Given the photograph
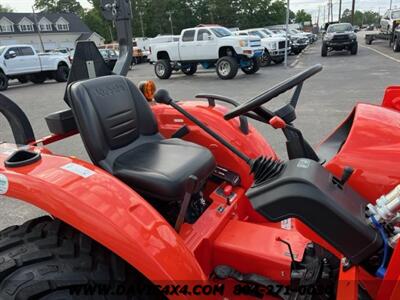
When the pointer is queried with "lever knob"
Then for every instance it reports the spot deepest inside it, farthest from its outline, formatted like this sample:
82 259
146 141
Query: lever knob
162 96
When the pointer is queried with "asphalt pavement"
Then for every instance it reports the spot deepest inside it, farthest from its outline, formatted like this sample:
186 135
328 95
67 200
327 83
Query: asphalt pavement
326 99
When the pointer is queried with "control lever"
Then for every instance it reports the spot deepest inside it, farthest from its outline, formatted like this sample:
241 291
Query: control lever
162 96
190 188
347 172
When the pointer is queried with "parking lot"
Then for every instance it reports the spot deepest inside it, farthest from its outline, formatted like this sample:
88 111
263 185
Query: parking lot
326 98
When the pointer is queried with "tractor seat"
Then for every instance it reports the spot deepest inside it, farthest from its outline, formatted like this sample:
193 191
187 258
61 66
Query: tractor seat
121 136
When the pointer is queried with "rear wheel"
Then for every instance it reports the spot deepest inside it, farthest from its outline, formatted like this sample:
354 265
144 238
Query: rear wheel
48 259
62 73
252 68
324 50
163 69
265 59
38 78
22 79
189 69
396 45
3 81
354 49
227 67
279 60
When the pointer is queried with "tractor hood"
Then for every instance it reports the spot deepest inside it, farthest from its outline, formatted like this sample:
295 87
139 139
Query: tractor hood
369 142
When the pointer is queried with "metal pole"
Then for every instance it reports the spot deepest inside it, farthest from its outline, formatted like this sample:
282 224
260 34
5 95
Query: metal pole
37 27
340 10
352 11
390 7
170 20
141 21
287 33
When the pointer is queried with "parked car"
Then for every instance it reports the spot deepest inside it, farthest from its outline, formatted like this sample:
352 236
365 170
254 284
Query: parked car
210 46
388 19
22 62
339 37
274 45
297 42
309 35
110 57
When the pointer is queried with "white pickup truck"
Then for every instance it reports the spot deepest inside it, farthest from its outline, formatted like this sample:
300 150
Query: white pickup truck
274 45
22 62
209 46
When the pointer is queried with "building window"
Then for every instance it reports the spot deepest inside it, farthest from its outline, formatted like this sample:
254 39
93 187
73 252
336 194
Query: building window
26 27
45 27
6 28
62 27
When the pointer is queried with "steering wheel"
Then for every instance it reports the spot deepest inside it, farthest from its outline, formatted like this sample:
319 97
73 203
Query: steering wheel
255 103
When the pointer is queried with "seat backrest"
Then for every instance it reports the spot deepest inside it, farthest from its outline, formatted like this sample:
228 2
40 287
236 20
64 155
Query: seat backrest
112 115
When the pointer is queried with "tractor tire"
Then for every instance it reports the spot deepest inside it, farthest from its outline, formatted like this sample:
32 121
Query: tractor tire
265 60
354 49
278 61
190 70
163 69
38 78
61 75
23 79
396 45
3 81
253 68
324 50
227 67
47 259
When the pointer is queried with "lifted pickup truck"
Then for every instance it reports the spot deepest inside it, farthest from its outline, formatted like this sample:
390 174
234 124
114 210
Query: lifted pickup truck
339 37
209 46
22 62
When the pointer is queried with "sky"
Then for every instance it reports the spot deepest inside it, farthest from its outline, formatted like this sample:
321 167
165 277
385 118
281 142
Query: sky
311 6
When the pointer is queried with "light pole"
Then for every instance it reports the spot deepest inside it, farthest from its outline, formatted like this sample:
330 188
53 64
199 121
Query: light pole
352 11
287 33
340 10
37 27
141 21
170 20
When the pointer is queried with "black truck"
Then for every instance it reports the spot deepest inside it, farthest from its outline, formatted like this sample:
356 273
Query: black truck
339 36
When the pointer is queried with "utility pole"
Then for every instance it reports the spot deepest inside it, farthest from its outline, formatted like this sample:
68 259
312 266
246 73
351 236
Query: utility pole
390 7
319 8
170 20
38 29
340 10
287 33
141 21
324 16
352 11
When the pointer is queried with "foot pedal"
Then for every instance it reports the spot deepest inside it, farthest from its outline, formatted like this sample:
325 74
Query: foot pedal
225 272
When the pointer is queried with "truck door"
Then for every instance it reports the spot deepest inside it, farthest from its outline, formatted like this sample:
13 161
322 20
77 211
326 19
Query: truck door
206 44
187 45
29 60
13 64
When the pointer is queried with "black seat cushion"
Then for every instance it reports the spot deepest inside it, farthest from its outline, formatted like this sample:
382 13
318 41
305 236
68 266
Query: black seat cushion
160 169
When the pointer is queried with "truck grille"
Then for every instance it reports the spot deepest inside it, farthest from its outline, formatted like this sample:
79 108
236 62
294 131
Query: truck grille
255 43
281 45
340 38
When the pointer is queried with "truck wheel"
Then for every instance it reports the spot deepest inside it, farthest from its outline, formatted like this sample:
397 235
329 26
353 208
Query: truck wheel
324 50
396 46
252 68
163 69
279 60
62 74
354 49
227 67
265 59
23 79
190 69
3 81
48 259
38 78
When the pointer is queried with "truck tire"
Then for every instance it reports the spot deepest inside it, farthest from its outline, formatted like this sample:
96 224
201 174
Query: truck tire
354 49
38 78
279 60
253 68
61 75
23 79
324 50
190 70
227 67
265 60
396 45
48 259
163 69
3 81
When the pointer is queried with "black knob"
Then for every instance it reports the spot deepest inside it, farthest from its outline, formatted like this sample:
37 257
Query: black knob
162 96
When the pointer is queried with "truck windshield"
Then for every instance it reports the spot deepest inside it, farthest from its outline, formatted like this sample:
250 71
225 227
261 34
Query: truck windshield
2 50
221 31
396 14
268 32
340 28
258 33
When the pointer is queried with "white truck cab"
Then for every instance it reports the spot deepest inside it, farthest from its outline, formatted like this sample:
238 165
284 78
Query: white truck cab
388 19
209 46
274 45
22 62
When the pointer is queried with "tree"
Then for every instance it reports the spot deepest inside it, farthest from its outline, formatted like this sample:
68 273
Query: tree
5 9
60 6
302 16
